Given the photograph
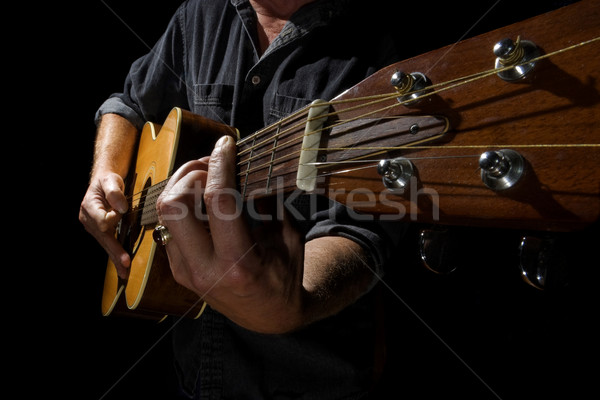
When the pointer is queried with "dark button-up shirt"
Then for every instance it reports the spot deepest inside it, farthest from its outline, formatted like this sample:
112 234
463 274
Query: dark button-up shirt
208 61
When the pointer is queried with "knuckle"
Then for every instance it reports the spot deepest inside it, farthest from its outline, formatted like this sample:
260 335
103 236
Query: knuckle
172 207
188 277
192 165
106 226
83 217
241 281
181 279
113 192
199 284
222 201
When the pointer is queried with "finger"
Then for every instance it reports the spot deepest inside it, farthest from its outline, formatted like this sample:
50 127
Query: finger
95 213
118 256
178 210
171 203
231 236
179 268
113 187
193 165
106 238
96 217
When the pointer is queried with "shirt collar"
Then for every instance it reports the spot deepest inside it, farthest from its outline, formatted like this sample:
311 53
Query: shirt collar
306 19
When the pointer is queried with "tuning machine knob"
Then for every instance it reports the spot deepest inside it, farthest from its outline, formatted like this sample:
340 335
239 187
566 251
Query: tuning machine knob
410 87
438 250
543 262
519 54
501 169
396 173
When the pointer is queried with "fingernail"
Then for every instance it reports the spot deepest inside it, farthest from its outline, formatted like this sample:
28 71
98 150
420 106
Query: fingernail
222 141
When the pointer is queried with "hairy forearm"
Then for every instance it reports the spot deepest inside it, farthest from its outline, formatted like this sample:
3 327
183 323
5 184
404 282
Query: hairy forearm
115 143
336 273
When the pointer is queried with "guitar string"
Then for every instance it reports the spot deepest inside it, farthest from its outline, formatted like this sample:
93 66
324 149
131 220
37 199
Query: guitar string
443 86
409 146
384 97
372 100
454 147
374 163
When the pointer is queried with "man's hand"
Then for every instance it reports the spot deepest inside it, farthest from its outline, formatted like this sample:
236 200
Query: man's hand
104 202
254 277
100 212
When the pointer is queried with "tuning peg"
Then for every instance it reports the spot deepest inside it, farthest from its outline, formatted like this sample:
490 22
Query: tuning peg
542 263
396 172
438 251
520 53
501 169
410 86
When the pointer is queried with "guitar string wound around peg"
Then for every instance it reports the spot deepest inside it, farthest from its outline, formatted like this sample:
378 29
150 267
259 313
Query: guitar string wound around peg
520 55
396 173
410 87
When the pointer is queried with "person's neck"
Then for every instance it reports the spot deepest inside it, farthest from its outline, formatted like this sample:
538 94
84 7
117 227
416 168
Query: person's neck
272 16
278 9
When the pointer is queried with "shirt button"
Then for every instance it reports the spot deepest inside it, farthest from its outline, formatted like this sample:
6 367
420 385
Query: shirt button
255 80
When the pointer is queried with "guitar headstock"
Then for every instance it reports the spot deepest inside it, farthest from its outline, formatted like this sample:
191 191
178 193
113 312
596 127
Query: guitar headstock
520 148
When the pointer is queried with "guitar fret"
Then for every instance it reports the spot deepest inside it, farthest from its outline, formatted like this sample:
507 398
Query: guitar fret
245 185
272 158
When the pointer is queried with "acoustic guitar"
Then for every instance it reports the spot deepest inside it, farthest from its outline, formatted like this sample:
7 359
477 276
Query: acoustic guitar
500 130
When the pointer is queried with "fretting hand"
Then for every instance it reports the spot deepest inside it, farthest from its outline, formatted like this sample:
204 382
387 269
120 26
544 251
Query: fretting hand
254 277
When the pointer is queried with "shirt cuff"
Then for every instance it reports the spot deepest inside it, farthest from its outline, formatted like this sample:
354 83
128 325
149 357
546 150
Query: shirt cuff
115 105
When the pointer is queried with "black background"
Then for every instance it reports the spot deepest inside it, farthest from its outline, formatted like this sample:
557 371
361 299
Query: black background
479 333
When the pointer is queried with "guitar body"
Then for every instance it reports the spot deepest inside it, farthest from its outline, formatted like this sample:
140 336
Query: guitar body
551 117
150 290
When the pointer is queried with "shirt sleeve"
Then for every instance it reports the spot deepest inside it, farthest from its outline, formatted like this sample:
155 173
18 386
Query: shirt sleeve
156 82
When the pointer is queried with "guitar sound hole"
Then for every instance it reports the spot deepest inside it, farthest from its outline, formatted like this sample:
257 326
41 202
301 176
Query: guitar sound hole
132 232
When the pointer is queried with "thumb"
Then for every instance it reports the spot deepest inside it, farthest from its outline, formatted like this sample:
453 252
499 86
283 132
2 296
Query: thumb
113 187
